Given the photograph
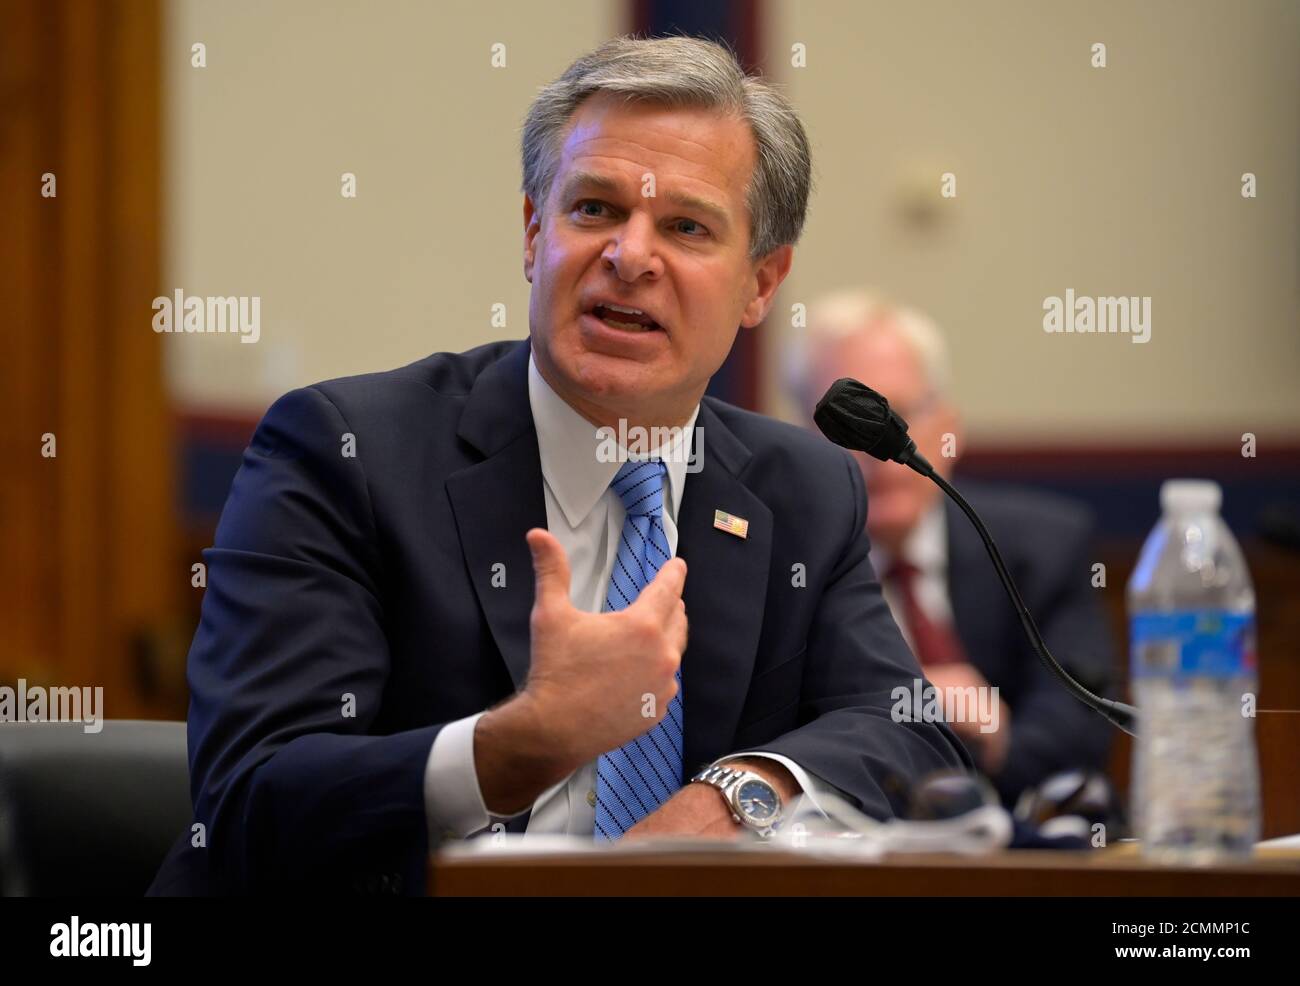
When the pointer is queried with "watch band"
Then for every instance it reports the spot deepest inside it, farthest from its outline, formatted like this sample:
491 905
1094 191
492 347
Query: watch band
728 781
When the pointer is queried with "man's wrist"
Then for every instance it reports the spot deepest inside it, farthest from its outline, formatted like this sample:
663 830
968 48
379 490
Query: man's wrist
737 782
516 756
774 773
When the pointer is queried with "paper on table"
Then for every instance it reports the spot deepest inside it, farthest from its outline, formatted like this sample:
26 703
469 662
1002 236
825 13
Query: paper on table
521 844
844 833
1281 842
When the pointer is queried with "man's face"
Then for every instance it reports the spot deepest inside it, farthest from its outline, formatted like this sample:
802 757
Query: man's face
897 496
681 256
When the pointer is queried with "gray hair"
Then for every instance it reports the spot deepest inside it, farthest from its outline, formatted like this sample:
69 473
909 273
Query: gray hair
854 311
683 71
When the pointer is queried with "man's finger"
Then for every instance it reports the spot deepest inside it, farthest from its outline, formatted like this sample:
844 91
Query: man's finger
664 592
550 567
679 628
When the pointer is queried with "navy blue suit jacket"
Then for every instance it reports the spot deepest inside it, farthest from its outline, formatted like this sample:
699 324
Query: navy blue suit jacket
370 576
1046 541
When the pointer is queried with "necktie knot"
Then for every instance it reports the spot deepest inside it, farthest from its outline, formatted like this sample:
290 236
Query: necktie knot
902 571
640 485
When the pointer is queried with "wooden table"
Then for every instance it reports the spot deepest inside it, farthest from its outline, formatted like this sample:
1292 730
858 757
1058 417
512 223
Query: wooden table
1112 872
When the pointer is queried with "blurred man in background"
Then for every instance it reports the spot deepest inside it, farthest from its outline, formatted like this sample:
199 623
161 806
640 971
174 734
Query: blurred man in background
937 576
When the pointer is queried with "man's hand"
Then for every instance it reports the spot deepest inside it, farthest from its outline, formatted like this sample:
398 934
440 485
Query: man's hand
602 679
699 809
990 748
595 681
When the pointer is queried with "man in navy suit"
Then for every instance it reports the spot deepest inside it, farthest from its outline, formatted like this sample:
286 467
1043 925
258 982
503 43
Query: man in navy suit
438 604
937 575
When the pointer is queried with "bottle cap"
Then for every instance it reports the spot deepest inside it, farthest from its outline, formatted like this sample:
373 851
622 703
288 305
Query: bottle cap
1181 496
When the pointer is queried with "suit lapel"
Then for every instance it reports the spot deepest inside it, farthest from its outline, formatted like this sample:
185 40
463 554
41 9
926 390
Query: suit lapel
496 502
726 586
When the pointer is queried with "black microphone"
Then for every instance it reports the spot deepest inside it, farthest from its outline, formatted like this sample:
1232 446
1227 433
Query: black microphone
854 416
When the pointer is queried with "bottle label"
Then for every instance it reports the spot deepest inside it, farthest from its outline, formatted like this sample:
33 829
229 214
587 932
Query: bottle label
1208 643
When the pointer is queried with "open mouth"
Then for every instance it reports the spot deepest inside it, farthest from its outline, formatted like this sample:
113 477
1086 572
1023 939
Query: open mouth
626 319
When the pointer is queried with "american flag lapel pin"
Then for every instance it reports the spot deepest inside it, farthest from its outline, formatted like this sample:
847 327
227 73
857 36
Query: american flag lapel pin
724 521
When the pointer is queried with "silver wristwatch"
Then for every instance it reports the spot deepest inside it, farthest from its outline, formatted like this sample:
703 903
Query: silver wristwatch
754 802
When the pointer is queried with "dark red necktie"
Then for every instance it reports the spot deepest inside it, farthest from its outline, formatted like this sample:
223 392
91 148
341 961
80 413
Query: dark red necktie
935 642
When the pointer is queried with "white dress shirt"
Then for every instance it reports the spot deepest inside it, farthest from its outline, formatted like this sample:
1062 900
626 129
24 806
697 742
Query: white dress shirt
926 549
586 517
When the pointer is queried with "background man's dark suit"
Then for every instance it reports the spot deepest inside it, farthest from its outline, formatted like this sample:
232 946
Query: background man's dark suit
371 576
1046 543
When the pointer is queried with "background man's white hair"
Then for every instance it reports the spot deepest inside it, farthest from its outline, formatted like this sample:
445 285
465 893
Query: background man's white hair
851 311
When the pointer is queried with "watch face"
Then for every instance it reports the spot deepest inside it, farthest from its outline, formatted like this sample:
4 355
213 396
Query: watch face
757 800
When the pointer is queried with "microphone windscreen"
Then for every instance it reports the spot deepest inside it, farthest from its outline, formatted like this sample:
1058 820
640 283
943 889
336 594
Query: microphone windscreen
854 416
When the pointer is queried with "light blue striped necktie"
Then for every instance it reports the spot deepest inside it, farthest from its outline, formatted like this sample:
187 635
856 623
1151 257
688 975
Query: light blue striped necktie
635 779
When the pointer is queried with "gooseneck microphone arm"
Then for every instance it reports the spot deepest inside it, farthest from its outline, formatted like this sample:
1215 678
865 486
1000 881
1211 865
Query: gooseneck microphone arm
1121 714
854 416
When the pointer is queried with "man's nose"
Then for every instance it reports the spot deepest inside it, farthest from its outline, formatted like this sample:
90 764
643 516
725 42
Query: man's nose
633 252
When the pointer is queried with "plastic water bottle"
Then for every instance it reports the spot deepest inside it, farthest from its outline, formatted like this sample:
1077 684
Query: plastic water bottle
1195 781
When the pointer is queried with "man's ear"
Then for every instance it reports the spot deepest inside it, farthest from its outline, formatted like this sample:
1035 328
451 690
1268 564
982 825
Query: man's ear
769 272
532 225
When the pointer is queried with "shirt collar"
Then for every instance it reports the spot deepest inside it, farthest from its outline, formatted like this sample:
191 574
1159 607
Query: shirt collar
567 444
926 547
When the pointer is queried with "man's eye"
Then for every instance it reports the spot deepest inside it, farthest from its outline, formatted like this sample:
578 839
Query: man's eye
693 229
590 204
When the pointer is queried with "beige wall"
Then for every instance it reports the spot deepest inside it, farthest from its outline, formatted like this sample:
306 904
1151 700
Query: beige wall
403 95
1122 180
